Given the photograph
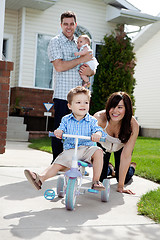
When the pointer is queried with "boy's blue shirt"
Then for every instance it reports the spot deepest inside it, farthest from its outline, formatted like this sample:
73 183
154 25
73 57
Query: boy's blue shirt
86 127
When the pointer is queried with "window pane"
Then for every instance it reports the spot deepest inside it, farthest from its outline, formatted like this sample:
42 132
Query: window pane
81 31
44 68
98 49
4 51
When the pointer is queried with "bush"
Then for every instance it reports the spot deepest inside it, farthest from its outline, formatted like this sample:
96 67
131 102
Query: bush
116 68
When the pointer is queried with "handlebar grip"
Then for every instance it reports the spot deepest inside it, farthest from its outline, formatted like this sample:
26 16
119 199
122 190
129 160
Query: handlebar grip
51 134
102 139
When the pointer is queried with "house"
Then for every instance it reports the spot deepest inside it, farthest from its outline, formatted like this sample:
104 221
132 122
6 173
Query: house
147 74
28 27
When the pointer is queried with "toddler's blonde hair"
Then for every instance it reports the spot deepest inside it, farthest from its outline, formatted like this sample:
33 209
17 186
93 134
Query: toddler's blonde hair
78 90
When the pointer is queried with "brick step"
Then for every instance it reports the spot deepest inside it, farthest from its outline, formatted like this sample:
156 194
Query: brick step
37 134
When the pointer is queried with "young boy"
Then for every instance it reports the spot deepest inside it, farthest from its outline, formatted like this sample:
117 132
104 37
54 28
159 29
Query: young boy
83 45
79 122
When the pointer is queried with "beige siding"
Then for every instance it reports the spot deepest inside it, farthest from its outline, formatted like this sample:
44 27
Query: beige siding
147 91
91 14
10 27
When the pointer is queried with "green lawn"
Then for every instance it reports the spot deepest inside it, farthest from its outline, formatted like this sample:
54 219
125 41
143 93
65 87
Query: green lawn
149 205
147 156
43 144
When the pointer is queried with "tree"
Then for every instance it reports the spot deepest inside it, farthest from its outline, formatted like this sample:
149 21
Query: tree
116 68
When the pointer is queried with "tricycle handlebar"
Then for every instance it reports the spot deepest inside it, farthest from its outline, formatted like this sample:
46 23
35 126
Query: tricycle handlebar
51 134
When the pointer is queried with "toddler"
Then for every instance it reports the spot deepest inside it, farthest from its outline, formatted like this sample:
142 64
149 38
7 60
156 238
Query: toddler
79 122
83 45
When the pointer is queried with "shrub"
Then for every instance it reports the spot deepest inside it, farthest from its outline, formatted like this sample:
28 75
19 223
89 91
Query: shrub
116 68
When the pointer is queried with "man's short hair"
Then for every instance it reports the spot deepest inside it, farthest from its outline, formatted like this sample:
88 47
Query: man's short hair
68 14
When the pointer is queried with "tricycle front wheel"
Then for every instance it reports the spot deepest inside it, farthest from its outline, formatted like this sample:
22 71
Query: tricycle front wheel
106 192
71 193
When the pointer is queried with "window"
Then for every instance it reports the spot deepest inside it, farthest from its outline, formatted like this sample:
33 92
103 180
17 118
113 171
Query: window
44 69
98 49
81 31
7 47
4 51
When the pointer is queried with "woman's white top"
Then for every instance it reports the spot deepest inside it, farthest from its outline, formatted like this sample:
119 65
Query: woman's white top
111 144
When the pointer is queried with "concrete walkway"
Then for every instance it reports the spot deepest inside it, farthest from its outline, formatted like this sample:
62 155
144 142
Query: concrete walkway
26 214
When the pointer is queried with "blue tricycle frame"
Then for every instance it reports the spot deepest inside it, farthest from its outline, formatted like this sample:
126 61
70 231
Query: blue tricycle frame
70 185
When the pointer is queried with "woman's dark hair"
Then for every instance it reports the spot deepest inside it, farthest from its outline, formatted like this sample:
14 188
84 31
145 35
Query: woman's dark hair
112 102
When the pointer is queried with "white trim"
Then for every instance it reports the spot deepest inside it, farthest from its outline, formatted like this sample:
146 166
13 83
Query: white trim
9 38
38 88
122 4
41 5
130 17
94 53
35 58
94 43
145 35
2 14
22 46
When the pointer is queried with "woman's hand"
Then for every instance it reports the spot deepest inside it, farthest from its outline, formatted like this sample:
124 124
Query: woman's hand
122 190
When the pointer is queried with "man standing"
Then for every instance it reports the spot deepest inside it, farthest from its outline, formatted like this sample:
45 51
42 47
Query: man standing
61 51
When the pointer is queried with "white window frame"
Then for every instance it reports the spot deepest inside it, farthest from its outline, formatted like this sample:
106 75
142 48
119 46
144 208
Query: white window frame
94 43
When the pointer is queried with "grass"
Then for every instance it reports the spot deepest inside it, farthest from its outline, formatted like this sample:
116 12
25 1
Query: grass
147 156
149 205
43 144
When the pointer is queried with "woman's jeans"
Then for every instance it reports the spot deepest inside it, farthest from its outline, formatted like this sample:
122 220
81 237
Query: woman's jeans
106 171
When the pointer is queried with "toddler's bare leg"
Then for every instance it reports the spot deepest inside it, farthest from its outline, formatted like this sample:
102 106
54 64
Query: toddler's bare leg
85 78
85 82
97 164
51 171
